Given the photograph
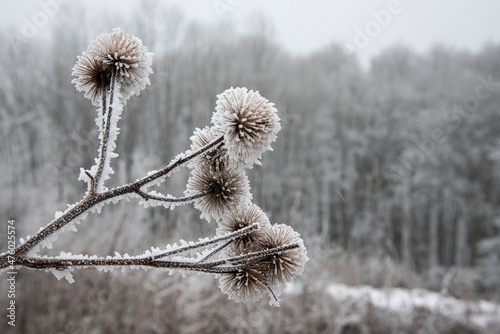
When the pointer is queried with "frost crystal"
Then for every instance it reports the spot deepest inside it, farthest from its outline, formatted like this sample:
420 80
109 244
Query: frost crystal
66 273
249 123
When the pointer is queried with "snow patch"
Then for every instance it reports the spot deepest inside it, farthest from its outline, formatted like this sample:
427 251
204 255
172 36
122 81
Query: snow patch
404 301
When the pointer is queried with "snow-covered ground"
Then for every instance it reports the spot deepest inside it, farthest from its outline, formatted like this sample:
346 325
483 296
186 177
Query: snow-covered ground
402 301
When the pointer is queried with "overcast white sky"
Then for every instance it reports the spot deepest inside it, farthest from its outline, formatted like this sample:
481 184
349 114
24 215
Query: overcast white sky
303 26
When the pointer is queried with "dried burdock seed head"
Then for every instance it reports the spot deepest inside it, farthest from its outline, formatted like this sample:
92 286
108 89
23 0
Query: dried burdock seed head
249 123
92 77
226 190
217 157
248 284
118 54
284 266
233 221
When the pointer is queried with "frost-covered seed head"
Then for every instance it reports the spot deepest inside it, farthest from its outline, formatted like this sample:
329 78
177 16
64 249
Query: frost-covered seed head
118 53
216 157
92 77
244 285
249 123
233 221
284 266
228 189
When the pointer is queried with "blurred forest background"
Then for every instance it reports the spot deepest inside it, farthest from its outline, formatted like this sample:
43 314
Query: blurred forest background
391 174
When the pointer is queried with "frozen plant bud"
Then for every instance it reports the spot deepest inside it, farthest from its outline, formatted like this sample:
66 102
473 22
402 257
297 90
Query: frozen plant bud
118 54
246 284
215 157
233 221
226 190
284 266
249 123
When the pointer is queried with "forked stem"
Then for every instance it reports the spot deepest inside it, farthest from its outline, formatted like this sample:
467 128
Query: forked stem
93 199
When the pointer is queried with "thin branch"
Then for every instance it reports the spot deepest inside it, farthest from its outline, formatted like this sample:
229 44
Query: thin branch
93 198
92 181
179 162
272 292
243 261
209 267
147 196
103 106
105 137
257 255
215 251
233 235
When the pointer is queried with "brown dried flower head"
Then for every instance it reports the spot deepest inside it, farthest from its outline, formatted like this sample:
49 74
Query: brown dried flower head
248 284
284 266
249 123
217 157
233 221
92 77
114 54
226 190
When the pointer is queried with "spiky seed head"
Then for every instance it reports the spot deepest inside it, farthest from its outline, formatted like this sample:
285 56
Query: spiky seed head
227 189
247 284
233 221
216 157
118 53
249 123
283 266
92 77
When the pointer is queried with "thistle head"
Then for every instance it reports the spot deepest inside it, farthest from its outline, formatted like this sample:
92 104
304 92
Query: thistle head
233 221
249 123
268 268
113 56
216 157
248 284
92 77
284 266
226 189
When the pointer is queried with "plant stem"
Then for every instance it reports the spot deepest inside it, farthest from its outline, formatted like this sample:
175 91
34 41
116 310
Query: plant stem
94 198
219 266
105 135
147 196
233 235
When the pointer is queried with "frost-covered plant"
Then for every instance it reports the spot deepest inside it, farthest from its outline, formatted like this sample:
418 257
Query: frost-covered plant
248 254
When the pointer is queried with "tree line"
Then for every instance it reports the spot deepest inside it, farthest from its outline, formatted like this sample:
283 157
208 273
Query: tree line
397 160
